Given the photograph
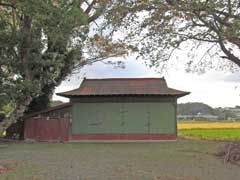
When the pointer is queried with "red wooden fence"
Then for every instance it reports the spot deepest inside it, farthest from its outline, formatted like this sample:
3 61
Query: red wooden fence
43 129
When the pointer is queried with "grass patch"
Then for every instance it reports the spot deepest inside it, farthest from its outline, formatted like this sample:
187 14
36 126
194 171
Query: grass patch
180 160
211 134
25 172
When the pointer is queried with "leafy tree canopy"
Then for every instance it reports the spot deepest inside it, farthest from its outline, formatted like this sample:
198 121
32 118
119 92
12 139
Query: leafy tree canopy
41 42
159 27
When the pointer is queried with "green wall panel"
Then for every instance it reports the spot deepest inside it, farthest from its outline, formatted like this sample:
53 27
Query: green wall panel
162 118
153 118
134 118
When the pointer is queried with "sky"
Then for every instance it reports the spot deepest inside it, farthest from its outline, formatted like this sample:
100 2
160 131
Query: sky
215 88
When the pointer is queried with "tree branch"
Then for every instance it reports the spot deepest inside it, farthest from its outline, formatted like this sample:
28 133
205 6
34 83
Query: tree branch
7 5
90 6
99 11
228 54
195 37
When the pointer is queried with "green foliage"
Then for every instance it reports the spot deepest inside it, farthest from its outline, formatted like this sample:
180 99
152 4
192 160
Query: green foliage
211 134
36 46
7 109
42 42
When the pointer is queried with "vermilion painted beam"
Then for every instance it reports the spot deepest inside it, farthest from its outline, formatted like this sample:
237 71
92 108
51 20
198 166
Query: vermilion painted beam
123 137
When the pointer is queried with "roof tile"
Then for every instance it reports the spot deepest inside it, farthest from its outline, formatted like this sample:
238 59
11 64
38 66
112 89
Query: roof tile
123 86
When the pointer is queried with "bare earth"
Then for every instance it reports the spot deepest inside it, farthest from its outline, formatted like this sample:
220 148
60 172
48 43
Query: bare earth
181 160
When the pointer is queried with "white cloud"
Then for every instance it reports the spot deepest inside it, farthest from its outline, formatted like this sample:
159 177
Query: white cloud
214 88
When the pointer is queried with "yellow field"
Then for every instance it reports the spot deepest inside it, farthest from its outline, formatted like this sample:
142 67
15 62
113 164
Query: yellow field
209 125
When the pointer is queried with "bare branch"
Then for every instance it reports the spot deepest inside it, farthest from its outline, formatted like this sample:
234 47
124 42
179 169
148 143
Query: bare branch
228 54
90 6
94 60
195 37
208 51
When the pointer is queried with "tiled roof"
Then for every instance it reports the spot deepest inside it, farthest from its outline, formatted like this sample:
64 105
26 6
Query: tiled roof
58 107
123 86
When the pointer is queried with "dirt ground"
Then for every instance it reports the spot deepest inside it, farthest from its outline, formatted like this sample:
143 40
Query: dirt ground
181 160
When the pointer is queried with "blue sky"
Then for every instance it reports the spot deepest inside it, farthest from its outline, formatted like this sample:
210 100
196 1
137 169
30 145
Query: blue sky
216 88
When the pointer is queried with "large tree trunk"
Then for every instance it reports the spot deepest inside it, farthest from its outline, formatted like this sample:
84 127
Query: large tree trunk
16 115
25 47
24 50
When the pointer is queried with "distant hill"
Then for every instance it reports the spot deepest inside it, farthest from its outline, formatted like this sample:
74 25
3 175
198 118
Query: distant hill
195 109
201 109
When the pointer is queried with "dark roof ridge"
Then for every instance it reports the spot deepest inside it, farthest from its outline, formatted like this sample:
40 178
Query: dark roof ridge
123 86
154 78
58 107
